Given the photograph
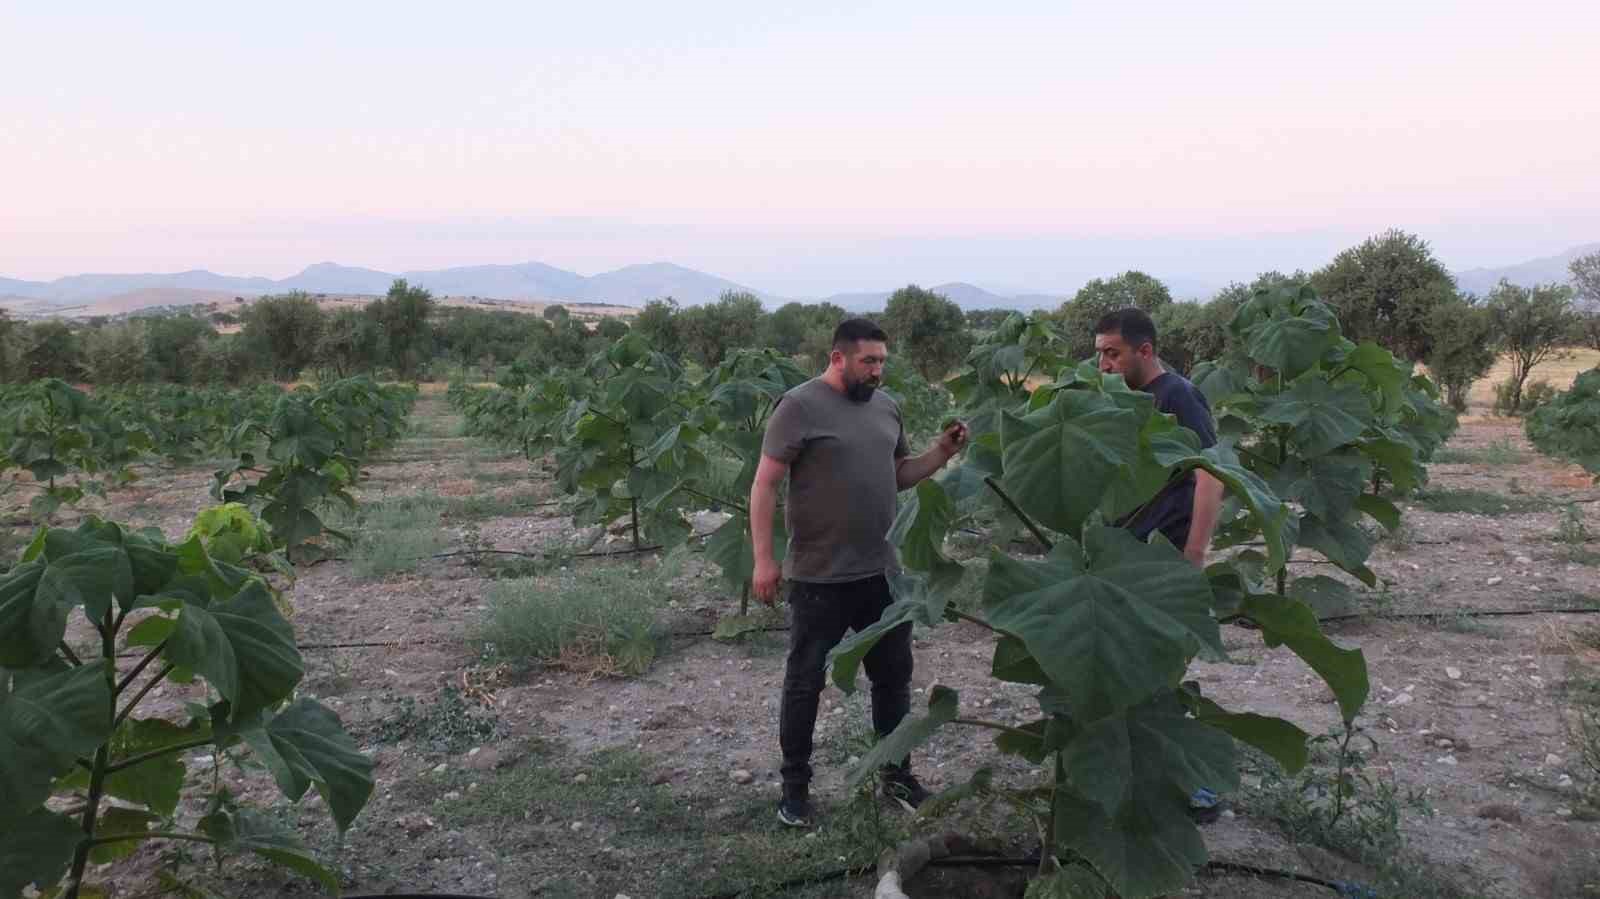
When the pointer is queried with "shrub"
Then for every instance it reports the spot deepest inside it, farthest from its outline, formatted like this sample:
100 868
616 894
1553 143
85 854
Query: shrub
1568 426
598 621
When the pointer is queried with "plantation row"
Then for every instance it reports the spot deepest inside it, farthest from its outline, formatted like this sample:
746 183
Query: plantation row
1316 434
70 738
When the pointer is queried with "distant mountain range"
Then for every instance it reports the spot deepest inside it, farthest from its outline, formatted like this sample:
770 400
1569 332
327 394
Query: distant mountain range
1526 274
967 296
629 286
633 285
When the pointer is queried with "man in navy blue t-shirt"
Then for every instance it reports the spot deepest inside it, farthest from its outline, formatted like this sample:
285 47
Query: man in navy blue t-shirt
1186 509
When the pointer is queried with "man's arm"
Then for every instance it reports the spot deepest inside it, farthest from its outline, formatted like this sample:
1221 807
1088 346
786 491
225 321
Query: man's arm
1203 520
911 470
763 502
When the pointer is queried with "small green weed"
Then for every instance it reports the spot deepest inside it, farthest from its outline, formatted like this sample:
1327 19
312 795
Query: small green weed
1479 502
708 842
1499 452
1462 623
396 536
449 724
1335 803
595 621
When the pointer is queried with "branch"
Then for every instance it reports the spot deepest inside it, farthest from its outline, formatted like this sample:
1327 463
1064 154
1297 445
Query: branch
151 835
143 757
1017 510
992 725
963 616
139 668
69 655
715 499
149 685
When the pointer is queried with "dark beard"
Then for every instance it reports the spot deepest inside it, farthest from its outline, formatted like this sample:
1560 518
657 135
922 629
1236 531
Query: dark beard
860 391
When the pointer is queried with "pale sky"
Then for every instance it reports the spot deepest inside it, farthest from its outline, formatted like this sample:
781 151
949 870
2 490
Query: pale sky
832 146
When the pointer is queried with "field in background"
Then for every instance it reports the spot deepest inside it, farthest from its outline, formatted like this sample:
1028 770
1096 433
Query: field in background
1559 372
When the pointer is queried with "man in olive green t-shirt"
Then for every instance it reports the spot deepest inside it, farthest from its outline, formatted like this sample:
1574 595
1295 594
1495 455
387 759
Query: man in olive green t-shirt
842 448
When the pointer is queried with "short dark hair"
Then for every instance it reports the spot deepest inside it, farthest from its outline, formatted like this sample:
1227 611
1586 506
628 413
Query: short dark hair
1132 323
852 330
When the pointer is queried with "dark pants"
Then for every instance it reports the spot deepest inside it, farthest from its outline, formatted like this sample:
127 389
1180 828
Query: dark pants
820 616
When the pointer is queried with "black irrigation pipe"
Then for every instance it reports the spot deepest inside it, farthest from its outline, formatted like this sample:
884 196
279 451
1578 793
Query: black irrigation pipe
1462 613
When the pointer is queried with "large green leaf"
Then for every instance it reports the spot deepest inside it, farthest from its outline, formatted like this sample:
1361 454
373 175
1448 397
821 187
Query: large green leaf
1112 622
253 831
920 527
31 624
1059 459
1280 739
155 782
1342 541
1269 514
1327 486
919 599
1383 373
35 848
304 745
915 730
1398 458
1288 622
117 821
1322 416
242 646
1286 329
47 721
1126 801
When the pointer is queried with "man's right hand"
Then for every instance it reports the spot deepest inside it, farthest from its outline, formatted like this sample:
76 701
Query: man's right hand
765 581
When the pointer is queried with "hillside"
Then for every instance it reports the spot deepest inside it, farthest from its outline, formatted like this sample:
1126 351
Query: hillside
1535 271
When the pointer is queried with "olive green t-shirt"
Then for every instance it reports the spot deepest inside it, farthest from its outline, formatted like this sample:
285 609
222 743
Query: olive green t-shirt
842 457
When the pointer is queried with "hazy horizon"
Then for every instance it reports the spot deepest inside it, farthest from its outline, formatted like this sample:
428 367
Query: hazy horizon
805 152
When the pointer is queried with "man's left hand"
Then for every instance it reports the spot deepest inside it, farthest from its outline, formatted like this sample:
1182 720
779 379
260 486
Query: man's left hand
953 439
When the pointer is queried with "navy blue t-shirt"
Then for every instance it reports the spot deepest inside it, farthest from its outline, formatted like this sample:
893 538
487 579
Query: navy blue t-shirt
1170 510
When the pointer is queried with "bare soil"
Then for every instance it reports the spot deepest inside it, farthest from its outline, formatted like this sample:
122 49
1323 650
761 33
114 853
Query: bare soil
541 782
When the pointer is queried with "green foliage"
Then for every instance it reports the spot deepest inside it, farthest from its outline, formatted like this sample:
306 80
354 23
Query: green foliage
928 329
402 316
1463 348
316 441
601 622
1078 315
68 728
1568 427
709 333
1498 452
285 332
1317 417
1532 323
1106 625
1386 289
51 429
448 724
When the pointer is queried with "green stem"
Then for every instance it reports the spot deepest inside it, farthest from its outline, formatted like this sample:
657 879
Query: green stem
1017 510
152 835
102 764
716 499
139 668
963 616
149 685
993 725
69 655
1283 456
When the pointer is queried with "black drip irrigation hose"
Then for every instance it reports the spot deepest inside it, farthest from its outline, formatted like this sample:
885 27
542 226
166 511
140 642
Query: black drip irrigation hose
1462 613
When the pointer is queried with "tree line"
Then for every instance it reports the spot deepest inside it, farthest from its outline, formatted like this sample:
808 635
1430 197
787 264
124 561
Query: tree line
1390 289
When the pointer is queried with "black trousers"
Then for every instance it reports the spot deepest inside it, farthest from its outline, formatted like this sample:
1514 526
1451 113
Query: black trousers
820 616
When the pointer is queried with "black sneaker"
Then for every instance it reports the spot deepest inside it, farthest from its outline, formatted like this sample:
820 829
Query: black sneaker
794 809
904 788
